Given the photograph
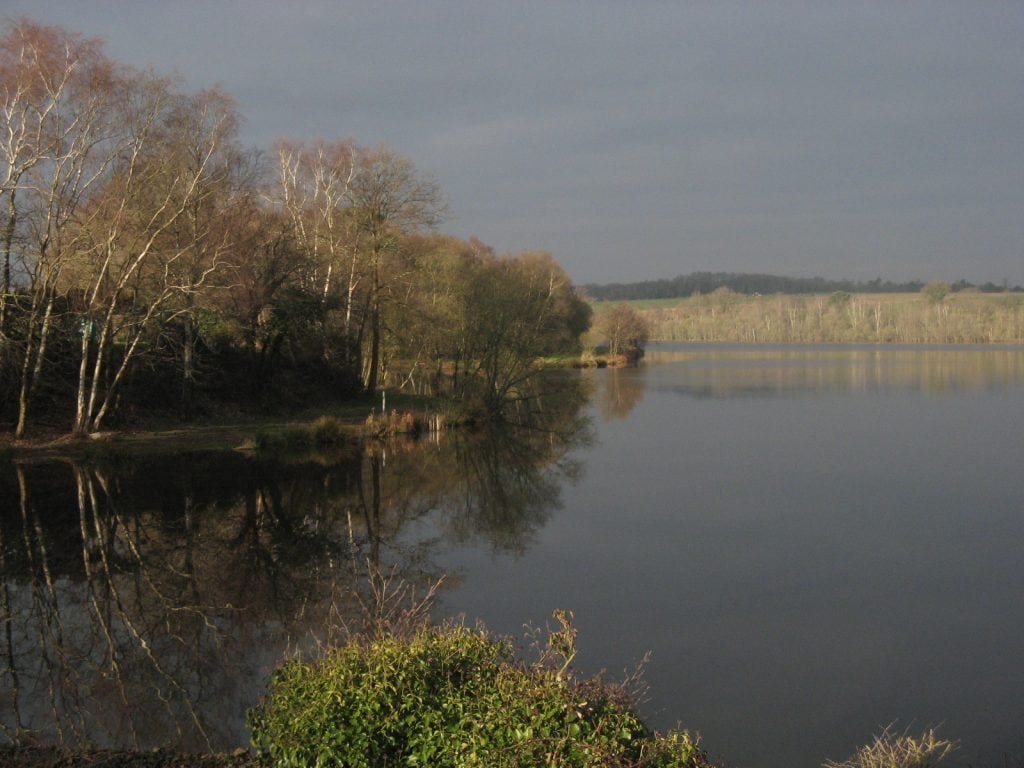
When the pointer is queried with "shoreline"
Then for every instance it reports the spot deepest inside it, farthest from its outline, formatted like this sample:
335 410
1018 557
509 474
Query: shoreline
58 757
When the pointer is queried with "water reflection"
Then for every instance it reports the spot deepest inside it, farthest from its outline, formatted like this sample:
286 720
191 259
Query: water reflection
619 392
139 598
723 371
145 600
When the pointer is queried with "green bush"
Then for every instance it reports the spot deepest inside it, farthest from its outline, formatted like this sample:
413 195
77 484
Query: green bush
453 696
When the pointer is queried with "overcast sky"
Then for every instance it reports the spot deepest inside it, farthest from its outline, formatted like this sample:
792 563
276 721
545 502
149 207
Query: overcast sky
637 140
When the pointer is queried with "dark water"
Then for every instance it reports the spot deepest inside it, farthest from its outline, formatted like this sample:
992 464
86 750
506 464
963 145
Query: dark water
811 543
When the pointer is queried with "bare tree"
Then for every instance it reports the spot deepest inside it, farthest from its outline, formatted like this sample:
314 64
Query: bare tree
128 213
625 330
56 145
200 242
388 198
315 182
129 263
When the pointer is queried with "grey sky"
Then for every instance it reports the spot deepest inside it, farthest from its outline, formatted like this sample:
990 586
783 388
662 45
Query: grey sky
637 140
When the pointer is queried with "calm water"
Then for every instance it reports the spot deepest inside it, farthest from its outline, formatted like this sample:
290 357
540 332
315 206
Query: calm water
810 543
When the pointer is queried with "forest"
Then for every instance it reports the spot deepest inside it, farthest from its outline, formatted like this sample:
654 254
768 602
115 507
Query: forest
934 315
151 263
750 283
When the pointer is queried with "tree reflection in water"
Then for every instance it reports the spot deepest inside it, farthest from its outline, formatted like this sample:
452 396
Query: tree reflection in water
145 600
620 391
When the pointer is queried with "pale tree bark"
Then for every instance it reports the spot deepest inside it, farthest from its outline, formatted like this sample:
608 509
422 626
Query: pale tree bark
315 182
145 198
52 140
36 66
73 172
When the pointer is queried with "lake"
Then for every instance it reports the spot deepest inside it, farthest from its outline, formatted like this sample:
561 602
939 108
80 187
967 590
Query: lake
809 543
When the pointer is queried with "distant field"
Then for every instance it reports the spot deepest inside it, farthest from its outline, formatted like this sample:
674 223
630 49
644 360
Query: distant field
639 303
913 318
890 298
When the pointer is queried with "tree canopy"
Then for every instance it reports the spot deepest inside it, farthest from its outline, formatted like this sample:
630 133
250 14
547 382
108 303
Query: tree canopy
149 261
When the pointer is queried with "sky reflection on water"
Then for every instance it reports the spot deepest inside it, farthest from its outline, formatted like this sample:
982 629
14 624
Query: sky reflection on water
810 542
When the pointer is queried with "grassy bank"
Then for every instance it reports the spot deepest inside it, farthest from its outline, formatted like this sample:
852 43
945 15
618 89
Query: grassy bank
906 318
328 425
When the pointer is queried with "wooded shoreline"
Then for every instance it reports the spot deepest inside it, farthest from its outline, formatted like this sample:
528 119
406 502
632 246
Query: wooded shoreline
905 318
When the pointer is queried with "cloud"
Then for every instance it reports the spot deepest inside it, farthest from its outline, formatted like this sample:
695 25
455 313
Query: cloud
857 139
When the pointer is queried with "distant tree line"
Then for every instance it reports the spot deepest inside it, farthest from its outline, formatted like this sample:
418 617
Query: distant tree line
933 316
749 284
149 261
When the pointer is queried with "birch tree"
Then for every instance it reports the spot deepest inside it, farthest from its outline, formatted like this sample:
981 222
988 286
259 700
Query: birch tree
56 145
130 265
315 185
202 240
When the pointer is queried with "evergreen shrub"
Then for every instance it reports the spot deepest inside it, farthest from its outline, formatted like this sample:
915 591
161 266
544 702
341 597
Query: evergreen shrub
454 696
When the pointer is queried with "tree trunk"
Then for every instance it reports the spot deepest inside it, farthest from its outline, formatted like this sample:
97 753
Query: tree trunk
29 380
372 378
188 366
98 371
374 372
78 429
5 281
